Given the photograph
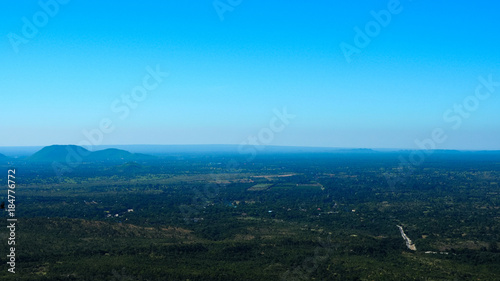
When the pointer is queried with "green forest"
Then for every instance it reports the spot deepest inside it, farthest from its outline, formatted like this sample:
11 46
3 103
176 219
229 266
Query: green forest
309 216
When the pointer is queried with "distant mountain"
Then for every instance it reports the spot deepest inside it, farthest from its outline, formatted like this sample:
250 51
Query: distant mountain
109 154
230 149
112 154
58 153
62 153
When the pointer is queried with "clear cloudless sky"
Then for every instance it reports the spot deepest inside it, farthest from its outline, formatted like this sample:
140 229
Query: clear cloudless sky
227 76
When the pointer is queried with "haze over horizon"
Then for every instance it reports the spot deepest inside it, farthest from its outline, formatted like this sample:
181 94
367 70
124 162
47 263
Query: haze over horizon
266 73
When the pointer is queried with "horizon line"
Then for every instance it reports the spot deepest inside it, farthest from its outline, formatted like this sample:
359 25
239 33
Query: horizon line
285 146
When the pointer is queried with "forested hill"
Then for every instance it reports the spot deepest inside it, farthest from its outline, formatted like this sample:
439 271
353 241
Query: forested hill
61 153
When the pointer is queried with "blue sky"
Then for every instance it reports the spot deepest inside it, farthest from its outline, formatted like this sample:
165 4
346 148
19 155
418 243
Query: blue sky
228 75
